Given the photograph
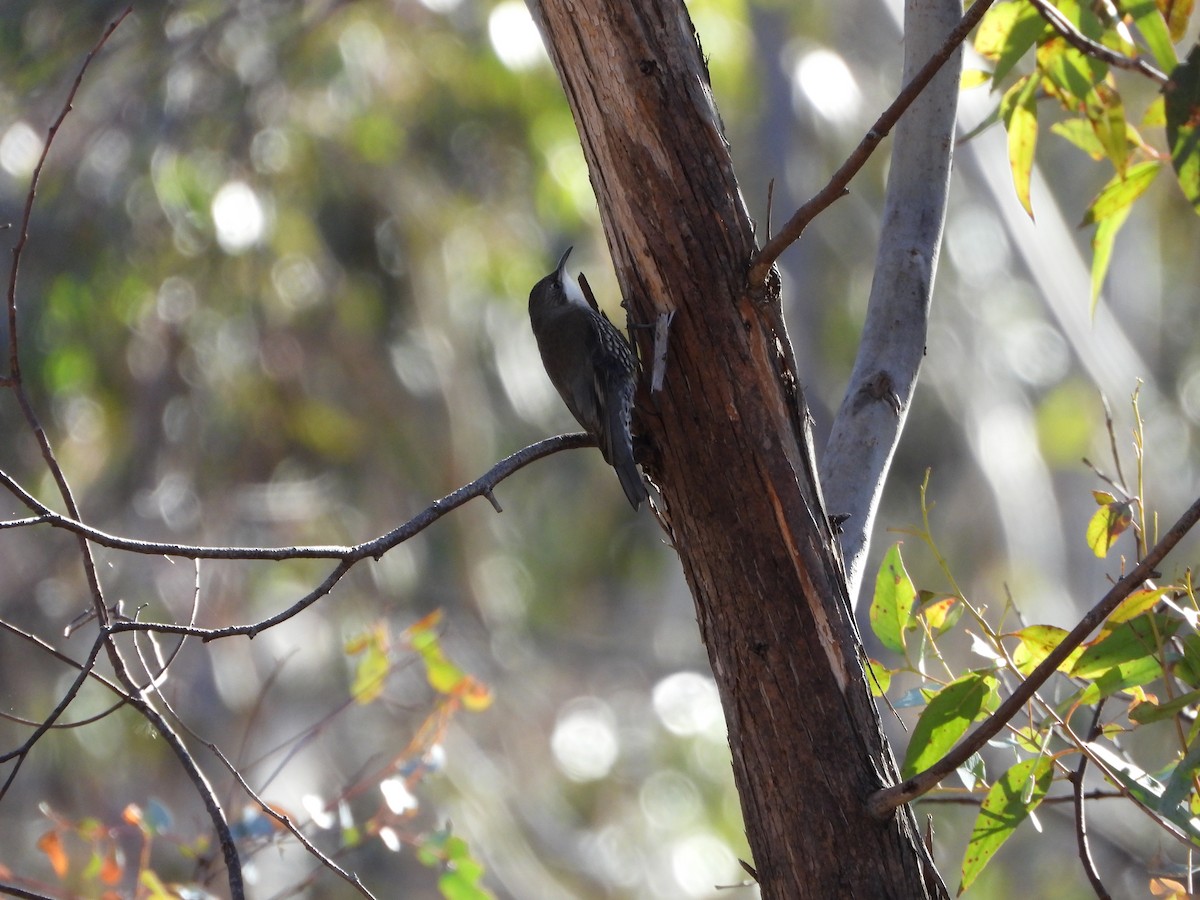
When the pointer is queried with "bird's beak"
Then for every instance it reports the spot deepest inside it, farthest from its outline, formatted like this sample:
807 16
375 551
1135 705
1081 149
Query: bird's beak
562 265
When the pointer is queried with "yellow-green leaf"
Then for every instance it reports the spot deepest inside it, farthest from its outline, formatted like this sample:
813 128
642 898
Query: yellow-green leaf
1019 109
1137 603
992 33
1179 12
1014 795
1102 248
973 78
1153 27
1080 133
1134 641
1106 112
370 675
1121 192
891 607
879 677
1026 27
1107 525
1036 643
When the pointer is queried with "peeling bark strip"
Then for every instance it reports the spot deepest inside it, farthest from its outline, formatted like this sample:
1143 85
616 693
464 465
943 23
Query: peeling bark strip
730 448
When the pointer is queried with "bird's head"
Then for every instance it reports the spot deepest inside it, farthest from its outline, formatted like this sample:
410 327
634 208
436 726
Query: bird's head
557 289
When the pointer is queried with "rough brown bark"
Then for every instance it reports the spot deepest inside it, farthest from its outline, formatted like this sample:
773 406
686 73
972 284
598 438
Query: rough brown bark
729 447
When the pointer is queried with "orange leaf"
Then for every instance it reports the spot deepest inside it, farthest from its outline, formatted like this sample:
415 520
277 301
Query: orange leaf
111 869
50 843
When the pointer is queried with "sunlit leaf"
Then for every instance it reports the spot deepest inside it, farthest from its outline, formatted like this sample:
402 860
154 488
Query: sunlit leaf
1178 13
1137 603
946 719
1108 524
891 607
1015 794
1168 888
1019 111
1036 643
1153 27
1025 28
942 614
1070 75
879 677
1183 119
992 33
1121 192
1102 247
1080 133
1106 112
973 78
1135 641
374 665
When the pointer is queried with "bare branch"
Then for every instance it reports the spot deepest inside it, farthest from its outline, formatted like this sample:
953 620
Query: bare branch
376 547
837 186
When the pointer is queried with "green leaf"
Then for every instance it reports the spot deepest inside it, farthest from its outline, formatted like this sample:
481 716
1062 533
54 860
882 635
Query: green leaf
1187 667
1107 525
1145 713
1026 27
1102 247
1106 112
891 607
1019 110
947 717
1080 133
1136 641
1070 74
1120 192
1150 22
1183 117
1014 795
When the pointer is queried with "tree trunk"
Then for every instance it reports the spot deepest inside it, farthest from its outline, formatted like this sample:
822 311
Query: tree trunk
729 447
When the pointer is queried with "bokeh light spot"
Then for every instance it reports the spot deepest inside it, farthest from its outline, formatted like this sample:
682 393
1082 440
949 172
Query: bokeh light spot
584 742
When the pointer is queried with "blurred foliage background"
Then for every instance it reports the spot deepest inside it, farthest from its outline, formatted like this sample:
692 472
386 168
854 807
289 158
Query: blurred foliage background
275 293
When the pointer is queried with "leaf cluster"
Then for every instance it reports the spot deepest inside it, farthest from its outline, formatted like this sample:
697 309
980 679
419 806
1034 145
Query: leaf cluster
1075 50
1138 675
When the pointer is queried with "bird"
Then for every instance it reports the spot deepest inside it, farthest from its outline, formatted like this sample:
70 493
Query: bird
591 366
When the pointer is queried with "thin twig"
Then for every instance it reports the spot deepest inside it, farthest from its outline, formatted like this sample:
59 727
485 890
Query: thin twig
14 362
882 802
836 187
1081 837
351 879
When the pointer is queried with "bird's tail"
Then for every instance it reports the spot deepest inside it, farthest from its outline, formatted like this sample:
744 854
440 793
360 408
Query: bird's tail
620 451
631 478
